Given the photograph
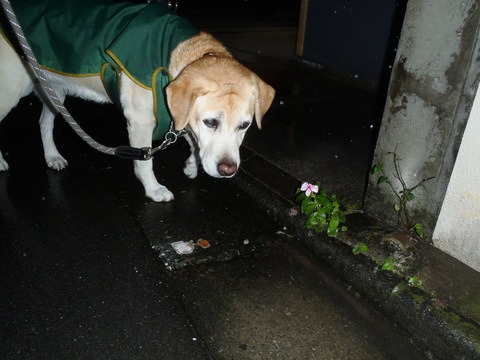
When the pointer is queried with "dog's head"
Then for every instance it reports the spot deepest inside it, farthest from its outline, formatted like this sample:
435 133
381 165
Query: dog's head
218 99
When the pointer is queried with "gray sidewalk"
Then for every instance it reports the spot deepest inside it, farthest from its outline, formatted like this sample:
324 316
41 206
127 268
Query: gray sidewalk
81 278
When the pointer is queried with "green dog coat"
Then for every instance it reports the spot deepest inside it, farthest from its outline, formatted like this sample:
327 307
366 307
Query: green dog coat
102 37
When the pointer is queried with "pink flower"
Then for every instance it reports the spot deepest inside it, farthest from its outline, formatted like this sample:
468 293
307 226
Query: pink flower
309 188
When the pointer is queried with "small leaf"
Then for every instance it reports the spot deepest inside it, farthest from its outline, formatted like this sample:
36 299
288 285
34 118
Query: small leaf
309 208
321 212
344 228
332 232
306 203
335 215
323 200
397 207
388 265
377 168
311 221
382 179
410 196
333 225
360 248
322 216
418 229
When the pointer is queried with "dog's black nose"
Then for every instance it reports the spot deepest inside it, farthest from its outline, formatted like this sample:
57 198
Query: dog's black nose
226 168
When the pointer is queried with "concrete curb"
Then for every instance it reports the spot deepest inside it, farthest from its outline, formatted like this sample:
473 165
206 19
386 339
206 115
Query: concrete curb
435 326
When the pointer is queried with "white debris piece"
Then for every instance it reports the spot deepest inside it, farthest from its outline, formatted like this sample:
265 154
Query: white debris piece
182 247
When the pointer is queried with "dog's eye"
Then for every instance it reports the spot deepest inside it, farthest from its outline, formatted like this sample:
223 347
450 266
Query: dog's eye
211 123
244 125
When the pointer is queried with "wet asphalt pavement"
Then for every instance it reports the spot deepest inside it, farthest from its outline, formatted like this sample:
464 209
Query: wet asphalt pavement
280 304
87 270
78 277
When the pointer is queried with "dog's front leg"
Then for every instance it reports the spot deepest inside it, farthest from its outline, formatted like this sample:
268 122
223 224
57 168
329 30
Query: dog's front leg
138 109
140 136
153 190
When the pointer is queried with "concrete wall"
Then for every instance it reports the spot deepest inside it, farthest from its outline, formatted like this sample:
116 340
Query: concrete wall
458 226
431 92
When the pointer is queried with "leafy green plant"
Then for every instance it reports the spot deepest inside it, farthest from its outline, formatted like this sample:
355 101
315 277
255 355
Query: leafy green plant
324 212
405 195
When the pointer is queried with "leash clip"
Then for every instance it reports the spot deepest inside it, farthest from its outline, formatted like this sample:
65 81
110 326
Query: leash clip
146 153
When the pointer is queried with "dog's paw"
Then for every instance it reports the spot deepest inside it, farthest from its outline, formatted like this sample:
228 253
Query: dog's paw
56 162
160 193
3 164
191 168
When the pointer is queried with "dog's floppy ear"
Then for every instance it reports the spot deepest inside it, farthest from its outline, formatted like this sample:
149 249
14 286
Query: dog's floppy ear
263 101
181 93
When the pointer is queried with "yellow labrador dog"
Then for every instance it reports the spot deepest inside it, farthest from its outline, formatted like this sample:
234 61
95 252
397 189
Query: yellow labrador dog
209 91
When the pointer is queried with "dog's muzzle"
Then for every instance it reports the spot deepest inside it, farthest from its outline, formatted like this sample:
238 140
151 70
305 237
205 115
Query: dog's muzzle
227 168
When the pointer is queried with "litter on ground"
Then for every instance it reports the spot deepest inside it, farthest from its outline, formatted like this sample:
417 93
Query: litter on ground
182 247
187 247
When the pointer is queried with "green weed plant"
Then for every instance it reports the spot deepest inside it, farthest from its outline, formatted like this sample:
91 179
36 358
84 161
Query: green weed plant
324 212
